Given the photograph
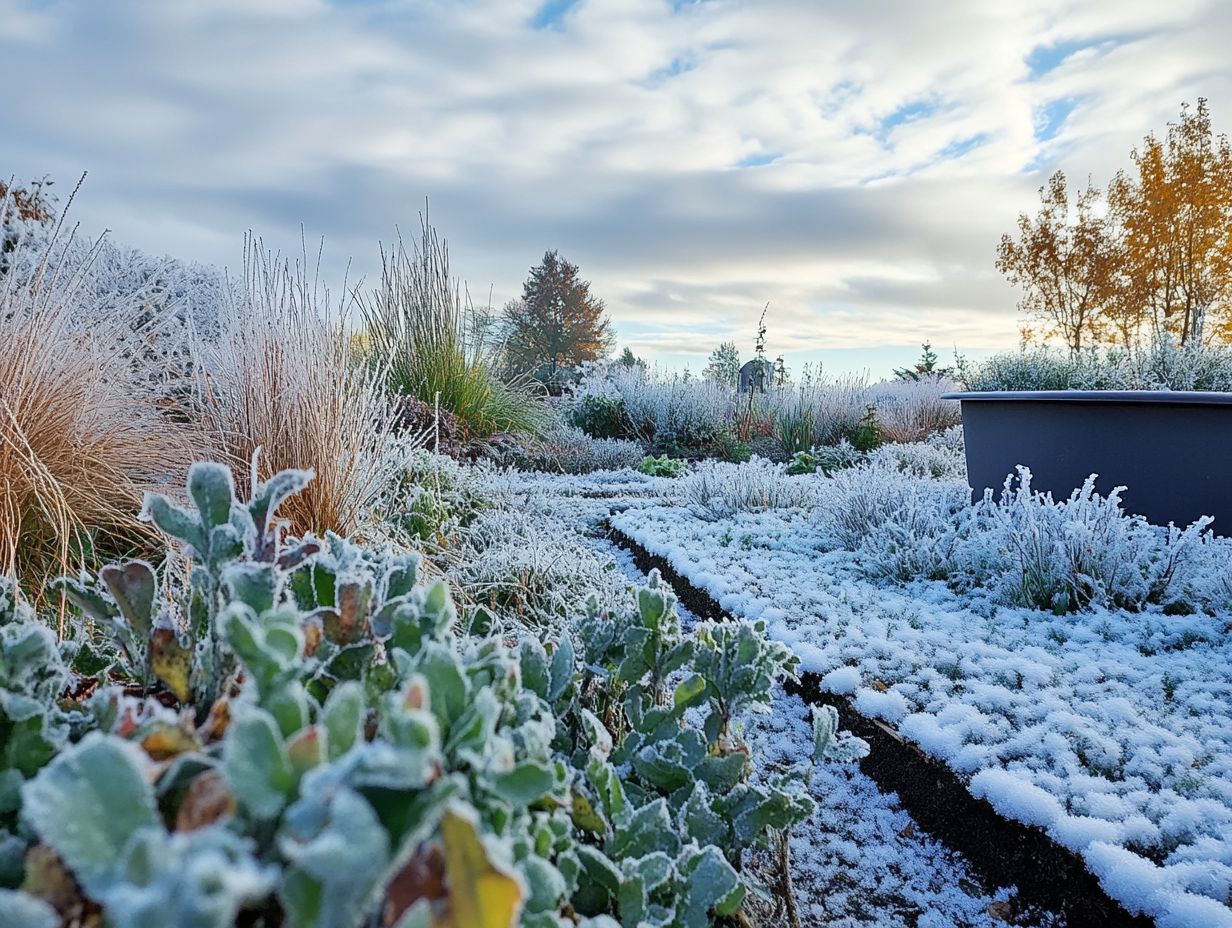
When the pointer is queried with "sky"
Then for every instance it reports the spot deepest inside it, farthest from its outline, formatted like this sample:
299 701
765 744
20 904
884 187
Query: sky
851 164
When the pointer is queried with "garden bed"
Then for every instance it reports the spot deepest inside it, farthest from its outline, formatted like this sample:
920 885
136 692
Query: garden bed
1004 851
1110 733
861 860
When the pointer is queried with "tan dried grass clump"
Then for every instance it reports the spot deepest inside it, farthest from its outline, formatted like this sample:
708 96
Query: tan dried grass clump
283 379
80 440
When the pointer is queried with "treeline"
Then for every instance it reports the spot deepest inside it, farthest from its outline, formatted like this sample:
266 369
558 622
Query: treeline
1149 259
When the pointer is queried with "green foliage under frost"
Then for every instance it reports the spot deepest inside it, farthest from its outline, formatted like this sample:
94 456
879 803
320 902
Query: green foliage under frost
662 466
298 735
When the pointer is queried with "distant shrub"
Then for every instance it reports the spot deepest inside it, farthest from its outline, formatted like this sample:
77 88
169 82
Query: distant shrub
564 449
599 415
726 446
910 410
795 428
768 447
716 490
687 411
941 455
868 434
826 458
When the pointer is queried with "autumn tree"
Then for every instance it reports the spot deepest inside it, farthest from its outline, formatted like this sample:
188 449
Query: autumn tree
1065 259
724 364
557 324
1175 216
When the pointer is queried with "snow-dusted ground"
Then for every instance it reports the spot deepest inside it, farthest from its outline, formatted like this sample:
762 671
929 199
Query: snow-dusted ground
861 861
1112 731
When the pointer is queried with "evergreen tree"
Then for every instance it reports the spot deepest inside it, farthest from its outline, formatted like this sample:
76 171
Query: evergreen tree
724 364
629 359
557 324
925 367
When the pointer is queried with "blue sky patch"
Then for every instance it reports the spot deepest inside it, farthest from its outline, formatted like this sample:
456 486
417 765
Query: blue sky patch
552 14
759 160
1050 117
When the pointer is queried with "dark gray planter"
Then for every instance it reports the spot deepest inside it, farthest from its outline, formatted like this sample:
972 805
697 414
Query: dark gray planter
1172 450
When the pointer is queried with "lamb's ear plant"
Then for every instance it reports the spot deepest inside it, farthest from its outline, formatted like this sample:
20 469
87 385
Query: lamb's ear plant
662 466
343 756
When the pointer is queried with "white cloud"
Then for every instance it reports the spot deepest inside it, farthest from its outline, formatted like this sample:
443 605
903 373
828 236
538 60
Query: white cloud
894 140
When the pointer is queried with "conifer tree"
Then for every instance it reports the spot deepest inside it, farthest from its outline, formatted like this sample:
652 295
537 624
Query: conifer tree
557 324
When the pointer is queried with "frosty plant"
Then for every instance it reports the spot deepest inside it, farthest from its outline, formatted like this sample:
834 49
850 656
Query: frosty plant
342 757
662 466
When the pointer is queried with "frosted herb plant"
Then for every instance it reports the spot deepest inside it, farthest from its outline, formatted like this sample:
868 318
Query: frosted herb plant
342 756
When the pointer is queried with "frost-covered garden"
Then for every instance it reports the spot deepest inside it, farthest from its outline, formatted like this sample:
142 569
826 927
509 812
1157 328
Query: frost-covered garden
398 649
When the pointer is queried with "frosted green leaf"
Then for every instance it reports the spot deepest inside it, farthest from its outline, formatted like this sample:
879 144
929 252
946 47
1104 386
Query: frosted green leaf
525 783
343 718
713 886
173 521
88 803
132 585
562 668
211 489
256 764
21 910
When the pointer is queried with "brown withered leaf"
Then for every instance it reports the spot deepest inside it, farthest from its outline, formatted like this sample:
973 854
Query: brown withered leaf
313 633
353 602
216 722
421 877
47 878
206 801
1001 912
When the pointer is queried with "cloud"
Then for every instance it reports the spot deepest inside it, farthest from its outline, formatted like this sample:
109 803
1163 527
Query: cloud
851 164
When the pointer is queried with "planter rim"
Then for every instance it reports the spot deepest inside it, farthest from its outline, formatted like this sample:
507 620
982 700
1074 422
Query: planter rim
1125 397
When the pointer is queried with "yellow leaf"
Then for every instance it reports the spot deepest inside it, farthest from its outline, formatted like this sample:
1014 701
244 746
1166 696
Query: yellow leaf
167 741
585 816
171 662
481 894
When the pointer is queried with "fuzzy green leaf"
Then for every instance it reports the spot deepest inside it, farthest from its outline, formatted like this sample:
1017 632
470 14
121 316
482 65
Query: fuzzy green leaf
21 910
212 490
255 763
88 803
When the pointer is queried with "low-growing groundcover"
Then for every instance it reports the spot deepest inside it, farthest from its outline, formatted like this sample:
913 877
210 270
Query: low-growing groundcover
298 733
1066 659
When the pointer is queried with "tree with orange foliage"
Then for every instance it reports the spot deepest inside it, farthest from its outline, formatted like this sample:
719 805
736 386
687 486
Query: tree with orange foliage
557 324
1175 219
1065 259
